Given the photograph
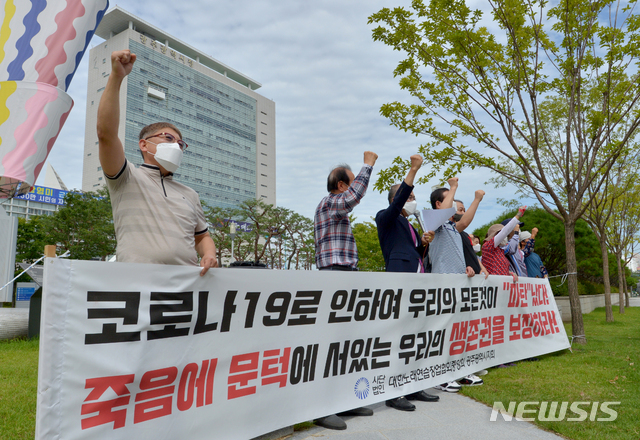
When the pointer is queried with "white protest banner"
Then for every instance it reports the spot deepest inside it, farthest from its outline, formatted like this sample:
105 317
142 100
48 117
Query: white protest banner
137 351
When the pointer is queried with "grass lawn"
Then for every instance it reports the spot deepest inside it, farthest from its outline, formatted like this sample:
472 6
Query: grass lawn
603 370
18 388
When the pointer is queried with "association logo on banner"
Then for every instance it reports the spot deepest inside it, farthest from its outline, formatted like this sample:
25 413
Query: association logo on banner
362 388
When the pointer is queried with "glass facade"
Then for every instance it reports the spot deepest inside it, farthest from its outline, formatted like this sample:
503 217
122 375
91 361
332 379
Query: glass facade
217 121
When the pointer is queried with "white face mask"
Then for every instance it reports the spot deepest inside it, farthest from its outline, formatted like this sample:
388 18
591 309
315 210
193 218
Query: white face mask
504 242
477 248
169 156
411 207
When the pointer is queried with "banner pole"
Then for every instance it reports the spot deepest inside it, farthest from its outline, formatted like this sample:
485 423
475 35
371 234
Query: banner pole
50 251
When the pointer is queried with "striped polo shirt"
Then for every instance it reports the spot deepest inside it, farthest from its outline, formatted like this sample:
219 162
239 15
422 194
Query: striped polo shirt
156 218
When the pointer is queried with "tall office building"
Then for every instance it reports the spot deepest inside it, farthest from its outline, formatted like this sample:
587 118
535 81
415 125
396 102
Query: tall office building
229 127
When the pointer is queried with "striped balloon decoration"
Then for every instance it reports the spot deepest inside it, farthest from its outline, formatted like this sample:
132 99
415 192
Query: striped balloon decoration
41 45
31 116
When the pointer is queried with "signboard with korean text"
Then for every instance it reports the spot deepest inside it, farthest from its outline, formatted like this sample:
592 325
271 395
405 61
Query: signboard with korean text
43 194
149 351
24 292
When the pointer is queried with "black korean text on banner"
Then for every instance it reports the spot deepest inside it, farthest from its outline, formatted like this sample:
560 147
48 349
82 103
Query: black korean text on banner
280 308
361 305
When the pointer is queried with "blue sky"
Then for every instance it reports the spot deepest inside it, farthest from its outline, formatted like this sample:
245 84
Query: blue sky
327 76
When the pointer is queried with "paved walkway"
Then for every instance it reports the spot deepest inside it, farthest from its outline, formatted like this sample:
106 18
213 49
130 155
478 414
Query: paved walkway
454 417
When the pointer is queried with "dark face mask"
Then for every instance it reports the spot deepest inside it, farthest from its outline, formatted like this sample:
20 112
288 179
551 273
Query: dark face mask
457 217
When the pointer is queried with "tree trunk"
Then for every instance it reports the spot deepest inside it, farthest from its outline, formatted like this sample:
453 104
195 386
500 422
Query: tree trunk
607 281
294 252
577 325
620 285
626 292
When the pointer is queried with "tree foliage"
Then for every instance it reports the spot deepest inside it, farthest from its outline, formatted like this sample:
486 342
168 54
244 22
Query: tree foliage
369 251
276 236
551 248
31 240
219 220
546 97
83 226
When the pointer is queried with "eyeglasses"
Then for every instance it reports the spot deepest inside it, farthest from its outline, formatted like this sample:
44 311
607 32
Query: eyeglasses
171 139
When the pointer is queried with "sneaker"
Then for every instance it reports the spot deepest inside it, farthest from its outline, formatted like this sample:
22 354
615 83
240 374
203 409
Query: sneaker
482 373
471 380
451 387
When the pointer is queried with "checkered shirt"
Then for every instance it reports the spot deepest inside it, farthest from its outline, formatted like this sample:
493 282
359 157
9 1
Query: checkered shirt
334 240
493 258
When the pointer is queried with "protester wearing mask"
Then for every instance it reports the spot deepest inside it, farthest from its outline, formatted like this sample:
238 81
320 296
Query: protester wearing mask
477 247
403 247
511 250
447 252
533 262
156 219
335 244
493 256
470 257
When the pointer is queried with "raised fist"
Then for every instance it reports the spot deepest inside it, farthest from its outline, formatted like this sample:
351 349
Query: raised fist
370 158
122 62
416 162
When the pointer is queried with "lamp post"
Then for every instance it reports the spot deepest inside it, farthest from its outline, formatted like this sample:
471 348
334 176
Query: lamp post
232 233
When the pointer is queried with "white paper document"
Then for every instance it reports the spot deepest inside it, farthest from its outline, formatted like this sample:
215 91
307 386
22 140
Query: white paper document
434 218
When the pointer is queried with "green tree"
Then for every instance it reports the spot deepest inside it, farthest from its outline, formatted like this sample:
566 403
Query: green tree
31 239
622 227
370 257
598 214
219 220
550 247
297 232
550 94
267 223
83 226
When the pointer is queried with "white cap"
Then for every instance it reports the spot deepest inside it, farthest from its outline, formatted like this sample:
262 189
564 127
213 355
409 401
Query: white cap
524 235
